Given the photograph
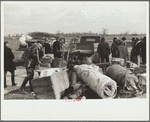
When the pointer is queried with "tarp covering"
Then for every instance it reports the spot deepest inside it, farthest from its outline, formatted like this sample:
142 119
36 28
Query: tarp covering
104 86
123 77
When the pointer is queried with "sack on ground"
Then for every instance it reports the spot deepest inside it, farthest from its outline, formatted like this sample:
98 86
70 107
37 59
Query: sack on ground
123 77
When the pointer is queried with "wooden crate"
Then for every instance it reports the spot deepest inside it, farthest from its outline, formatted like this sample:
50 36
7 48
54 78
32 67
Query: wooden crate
51 87
43 88
60 82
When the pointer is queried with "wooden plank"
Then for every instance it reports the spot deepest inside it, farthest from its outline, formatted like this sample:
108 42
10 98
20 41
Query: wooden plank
43 89
44 81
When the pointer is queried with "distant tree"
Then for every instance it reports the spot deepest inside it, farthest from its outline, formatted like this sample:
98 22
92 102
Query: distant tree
104 31
126 33
58 32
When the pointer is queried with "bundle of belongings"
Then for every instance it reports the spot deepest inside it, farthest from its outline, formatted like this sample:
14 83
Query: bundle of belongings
84 80
125 79
46 60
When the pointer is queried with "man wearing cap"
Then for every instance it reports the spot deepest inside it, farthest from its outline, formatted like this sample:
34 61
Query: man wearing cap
114 49
143 50
103 50
122 42
35 53
8 64
132 44
136 51
56 49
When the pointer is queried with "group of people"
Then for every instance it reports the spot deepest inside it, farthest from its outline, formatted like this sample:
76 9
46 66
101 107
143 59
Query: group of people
119 49
32 58
34 54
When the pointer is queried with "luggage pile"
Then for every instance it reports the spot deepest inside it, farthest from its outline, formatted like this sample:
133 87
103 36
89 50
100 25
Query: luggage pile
84 80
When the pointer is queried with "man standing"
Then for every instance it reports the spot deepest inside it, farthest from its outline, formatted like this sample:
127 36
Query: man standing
56 49
34 54
114 49
132 44
143 50
136 51
123 51
124 40
9 64
103 50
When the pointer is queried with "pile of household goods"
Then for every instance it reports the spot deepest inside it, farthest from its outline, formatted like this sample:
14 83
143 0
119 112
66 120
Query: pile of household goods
84 80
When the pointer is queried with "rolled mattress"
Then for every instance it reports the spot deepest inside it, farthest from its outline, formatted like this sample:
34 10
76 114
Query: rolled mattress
104 86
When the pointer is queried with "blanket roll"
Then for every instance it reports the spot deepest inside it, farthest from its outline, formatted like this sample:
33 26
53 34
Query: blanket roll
123 77
104 86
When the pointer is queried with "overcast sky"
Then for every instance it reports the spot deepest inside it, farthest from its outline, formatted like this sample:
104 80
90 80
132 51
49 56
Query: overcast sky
117 17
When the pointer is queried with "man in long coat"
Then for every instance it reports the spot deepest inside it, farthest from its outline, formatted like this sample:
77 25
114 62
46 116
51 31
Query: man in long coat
103 50
9 64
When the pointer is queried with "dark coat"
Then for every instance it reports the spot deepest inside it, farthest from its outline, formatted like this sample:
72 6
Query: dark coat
47 48
103 49
143 48
32 59
136 49
8 59
56 46
123 53
114 50
56 49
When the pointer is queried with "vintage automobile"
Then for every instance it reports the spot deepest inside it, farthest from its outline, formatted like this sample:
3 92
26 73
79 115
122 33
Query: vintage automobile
87 43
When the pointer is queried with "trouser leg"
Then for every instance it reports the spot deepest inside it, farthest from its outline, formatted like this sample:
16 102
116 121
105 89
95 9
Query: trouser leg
138 60
107 58
102 59
144 58
13 77
31 88
29 77
5 72
24 83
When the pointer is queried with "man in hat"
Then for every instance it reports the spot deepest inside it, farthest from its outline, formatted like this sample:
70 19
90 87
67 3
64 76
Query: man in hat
47 46
136 51
114 49
9 64
34 54
143 50
56 48
133 41
103 50
123 41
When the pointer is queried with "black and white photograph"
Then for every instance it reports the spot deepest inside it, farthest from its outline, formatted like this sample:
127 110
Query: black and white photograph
75 60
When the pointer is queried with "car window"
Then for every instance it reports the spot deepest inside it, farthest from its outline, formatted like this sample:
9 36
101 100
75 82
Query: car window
90 40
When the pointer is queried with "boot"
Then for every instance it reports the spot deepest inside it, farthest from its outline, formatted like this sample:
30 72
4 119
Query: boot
22 88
